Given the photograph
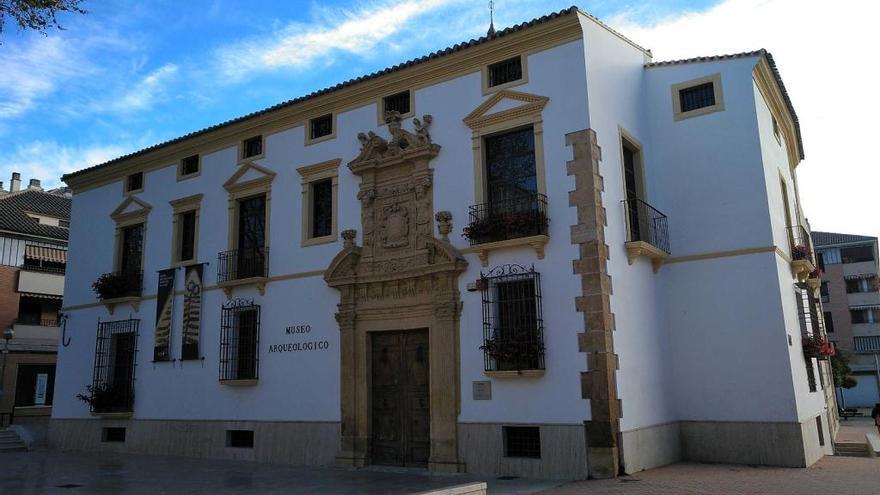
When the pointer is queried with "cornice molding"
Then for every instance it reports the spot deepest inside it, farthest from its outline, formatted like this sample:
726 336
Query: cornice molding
766 82
119 215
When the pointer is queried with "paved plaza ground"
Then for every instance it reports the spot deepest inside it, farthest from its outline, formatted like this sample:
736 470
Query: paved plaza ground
45 472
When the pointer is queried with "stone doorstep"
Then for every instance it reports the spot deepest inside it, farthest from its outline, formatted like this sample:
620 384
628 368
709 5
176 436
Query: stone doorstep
468 489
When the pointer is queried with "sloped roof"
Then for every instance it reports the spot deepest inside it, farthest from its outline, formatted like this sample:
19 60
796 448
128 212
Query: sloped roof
756 53
833 238
416 61
14 208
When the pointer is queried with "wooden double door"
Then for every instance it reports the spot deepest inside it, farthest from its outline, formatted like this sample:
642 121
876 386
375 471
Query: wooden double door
401 417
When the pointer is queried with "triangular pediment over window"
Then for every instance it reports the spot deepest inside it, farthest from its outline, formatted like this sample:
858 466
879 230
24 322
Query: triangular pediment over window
249 174
131 207
505 105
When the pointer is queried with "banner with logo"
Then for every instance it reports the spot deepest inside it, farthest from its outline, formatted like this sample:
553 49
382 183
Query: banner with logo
192 311
164 315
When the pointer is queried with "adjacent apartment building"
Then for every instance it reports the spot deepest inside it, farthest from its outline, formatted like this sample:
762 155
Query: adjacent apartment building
33 256
851 301
539 253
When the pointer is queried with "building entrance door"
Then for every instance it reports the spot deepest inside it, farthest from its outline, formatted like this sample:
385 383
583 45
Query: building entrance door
401 415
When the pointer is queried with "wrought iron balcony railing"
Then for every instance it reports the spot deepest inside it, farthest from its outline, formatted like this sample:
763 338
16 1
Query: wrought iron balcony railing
799 241
119 284
521 216
242 263
36 320
644 223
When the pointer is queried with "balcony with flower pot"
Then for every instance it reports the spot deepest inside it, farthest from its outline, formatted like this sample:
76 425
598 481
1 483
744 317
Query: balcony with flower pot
512 222
802 261
124 287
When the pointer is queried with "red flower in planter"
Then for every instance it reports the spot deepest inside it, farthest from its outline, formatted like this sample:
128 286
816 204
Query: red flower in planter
817 347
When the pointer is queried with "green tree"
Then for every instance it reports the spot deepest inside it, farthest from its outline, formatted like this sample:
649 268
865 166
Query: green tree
841 372
37 15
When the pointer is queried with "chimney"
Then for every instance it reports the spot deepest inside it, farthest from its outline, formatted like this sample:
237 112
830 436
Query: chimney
15 183
35 184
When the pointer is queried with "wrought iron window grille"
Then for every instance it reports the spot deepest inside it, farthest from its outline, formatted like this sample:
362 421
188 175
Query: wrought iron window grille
114 370
513 329
696 97
505 71
239 340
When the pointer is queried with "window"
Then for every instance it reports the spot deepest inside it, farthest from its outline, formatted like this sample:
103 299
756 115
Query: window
113 375
113 434
319 184
504 72
252 147
522 441
35 219
243 439
857 254
321 126
823 291
250 258
513 332
399 102
829 322
189 166
134 182
697 97
322 208
239 340
865 315
34 385
821 431
131 249
186 237
776 132
811 375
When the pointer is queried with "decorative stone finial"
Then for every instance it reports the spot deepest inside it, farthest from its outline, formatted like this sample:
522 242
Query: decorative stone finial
444 224
348 237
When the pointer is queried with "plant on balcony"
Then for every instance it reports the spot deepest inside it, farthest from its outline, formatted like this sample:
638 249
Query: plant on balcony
513 350
510 225
801 252
113 285
107 398
816 347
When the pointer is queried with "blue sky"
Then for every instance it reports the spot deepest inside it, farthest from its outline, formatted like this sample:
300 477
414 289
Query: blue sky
130 74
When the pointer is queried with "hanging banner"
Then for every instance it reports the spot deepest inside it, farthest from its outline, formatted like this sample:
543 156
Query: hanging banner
164 315
192 311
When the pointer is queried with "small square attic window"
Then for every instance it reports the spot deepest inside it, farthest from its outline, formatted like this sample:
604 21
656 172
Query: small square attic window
134 182
397 103
505 71
696 97
321 126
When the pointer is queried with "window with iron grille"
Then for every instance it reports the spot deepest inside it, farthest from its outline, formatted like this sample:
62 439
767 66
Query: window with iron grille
134 182
513 331
115 361
189 165
696 97
505 71
322 207
132 249
522 441
239 340
242 439
397 103
321 126
252 147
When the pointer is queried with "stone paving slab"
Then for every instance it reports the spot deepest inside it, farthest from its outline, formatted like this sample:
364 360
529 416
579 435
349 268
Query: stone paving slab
830 476
75 473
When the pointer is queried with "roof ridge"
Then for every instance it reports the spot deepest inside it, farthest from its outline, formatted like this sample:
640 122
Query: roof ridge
707 58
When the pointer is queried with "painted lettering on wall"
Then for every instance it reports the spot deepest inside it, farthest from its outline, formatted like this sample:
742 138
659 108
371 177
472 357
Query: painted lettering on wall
299 331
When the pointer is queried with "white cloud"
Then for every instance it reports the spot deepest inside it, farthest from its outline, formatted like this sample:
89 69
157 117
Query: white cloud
48 160
146 91
300 45
825 54
31 73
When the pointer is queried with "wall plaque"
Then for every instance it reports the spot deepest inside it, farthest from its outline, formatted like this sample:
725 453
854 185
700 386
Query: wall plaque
483 390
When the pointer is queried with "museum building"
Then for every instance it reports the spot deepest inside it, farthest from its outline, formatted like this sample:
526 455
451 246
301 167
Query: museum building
539 253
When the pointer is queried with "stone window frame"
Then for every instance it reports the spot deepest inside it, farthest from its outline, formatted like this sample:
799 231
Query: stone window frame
715 79
308 130
123 220
484 74
179 207
243 159
181 176
125 183
483 125
309 174
380 105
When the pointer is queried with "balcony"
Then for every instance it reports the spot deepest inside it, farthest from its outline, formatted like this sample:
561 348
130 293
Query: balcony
240 267
802 261
123 287
37 280
513 222
647 233
867 345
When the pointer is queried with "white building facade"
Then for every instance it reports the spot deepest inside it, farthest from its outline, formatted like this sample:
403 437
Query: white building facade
458 264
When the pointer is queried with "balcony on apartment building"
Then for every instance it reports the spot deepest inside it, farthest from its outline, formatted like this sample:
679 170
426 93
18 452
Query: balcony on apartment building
803 261
647 232
867 345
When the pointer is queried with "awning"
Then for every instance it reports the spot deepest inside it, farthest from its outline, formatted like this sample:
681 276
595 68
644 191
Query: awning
866 306
44 253
40 296
860 276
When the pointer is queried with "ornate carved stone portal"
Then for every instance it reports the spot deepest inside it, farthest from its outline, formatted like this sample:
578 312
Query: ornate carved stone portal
401 278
